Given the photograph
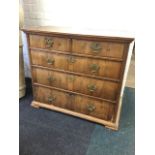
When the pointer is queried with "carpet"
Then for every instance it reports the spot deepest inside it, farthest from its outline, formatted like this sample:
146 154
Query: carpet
45 132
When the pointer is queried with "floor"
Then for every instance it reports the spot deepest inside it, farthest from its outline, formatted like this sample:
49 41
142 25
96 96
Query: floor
44 132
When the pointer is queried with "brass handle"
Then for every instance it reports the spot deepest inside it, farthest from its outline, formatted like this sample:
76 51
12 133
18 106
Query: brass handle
71 59
91 107
91 87
96 47
50 61
94 68
49 42
51 79
51 99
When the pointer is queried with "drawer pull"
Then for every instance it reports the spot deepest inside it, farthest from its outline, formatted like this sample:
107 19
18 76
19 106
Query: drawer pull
71 59
51 79
91 87
94 68
49 42
96 47
51 99
91 107
50 61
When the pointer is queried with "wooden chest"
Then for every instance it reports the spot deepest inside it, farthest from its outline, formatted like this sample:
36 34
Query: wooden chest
80 73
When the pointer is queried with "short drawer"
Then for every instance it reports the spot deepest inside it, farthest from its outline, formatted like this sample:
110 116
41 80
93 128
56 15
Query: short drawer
50 43
105 49
73 102
89 86
90 66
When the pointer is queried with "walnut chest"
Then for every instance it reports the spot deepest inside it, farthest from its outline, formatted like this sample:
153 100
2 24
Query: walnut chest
81 73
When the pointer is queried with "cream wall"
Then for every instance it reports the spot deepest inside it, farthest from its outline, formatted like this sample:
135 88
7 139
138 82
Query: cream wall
97 14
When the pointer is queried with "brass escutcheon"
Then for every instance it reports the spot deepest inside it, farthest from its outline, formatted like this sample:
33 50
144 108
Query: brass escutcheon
71 59
71 78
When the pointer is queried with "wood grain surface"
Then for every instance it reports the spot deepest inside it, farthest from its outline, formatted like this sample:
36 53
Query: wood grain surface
79 73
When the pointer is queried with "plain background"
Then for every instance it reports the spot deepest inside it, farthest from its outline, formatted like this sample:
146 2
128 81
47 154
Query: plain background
133 15
78 14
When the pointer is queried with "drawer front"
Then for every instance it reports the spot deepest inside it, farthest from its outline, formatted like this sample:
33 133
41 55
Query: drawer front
50 60
97 67
77 103
50 43
89 86
49 96
93 87
105 49
50 78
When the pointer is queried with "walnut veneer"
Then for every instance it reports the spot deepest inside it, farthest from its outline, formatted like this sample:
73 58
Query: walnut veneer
78 73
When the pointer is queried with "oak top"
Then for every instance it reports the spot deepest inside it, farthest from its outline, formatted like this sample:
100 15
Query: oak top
73 31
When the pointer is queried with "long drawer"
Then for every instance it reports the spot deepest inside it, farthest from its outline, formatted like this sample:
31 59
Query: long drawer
91 66
85 105
89 86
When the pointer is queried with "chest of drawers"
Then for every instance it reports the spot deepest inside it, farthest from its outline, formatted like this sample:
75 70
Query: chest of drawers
79 73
